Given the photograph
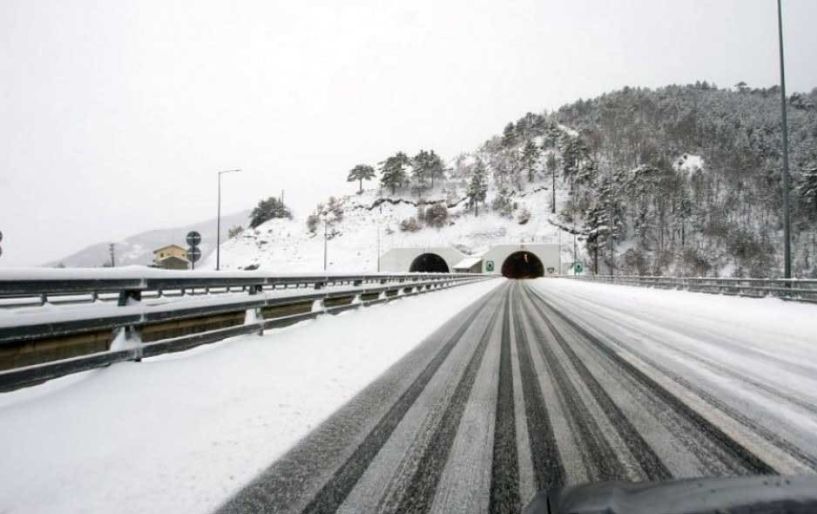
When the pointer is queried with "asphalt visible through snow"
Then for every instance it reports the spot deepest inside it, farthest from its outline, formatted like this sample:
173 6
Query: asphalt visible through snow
514 395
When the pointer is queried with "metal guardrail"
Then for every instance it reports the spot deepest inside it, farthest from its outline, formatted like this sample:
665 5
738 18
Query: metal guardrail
63 286
803 290
126 320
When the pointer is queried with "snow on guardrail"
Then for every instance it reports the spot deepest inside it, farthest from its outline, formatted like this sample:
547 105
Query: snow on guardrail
803 290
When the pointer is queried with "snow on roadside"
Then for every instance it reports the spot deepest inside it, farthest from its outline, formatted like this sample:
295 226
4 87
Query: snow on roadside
182 432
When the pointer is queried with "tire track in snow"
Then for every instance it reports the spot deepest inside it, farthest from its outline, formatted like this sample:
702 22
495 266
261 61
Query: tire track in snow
771 436
335 491
505 463
650 463
777 393
548 468
419 493
600 458
749 463
290 483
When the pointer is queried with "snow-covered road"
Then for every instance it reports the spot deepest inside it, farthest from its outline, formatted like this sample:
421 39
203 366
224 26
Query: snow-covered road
554 382
747 364
469 399
180 433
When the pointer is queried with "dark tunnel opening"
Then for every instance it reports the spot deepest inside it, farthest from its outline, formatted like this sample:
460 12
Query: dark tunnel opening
429 263
523 265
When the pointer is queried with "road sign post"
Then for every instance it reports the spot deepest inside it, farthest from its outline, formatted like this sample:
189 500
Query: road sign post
193 255
193 251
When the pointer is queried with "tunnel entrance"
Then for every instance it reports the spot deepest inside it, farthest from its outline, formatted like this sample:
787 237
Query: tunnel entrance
522 265
429 263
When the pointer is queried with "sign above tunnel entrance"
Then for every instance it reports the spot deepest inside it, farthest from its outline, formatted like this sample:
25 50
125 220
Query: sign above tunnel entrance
489 266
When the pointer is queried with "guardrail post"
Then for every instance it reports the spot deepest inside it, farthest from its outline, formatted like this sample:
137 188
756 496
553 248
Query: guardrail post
129 296
128 338
254 315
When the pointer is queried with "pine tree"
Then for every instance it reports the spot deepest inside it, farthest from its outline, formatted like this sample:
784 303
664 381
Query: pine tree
360 173
503 203
509 136
268 209
552 166
393 172
530 156
808 188
427 165
436 167
604 221
552 136
571 156
420 168
478 187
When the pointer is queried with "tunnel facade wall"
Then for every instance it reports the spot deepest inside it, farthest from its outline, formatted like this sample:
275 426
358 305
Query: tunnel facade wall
493 259
398 260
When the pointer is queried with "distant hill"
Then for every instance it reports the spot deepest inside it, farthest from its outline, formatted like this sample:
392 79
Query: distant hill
138 249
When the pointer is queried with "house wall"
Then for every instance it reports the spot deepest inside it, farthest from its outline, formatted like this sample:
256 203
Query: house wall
170 251
173 263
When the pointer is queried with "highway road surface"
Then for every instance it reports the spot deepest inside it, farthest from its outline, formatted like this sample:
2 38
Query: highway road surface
532 387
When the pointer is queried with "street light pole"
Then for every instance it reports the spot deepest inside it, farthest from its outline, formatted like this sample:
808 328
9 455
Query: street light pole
325 236
218 219
378 248
573 215
786 179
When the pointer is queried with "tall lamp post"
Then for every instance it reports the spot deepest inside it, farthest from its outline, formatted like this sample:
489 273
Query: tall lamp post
786 179
218 219
325 241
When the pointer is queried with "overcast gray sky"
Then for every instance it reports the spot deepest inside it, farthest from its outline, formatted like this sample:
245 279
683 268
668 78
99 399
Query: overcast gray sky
115 116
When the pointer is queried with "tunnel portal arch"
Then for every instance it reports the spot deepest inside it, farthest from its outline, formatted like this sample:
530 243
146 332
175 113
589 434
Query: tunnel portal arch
523 264
429 263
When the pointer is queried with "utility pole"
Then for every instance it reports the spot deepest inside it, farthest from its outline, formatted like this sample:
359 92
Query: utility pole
218 219
786 180
112 251
325 242
573 209
378 248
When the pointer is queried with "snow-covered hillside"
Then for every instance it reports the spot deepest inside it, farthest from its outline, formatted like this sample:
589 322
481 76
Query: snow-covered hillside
138 249
284 245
